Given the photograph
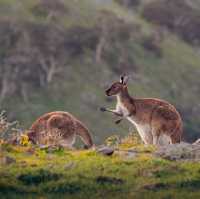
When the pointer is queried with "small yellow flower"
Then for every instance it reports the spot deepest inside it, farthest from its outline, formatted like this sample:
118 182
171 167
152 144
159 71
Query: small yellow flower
24 140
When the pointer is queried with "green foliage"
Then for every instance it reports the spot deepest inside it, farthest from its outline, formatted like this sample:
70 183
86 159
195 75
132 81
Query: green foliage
177 15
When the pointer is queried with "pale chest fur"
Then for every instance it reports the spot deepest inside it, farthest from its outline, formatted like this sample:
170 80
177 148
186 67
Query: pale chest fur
122 109
144 130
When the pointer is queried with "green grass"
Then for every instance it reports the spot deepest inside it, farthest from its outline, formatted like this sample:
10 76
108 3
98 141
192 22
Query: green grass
80 88
86 174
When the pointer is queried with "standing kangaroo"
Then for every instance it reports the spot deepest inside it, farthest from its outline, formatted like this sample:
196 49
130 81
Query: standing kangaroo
157 121
59 128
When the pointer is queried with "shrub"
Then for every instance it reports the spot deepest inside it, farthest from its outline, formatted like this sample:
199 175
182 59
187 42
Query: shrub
8 129
130 140
49 9
151 43
113 141
114 39
38 54
177 16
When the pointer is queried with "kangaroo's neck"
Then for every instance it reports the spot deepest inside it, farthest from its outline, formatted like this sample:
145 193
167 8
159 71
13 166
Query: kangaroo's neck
123 96
124 99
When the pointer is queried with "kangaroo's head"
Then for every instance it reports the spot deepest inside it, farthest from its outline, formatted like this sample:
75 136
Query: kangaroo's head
118 87
32 136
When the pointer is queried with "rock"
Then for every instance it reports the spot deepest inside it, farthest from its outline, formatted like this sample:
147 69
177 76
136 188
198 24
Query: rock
182 151
106 150
6 160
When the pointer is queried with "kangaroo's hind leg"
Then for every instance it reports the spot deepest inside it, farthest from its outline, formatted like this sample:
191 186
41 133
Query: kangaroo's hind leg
161 131
64 130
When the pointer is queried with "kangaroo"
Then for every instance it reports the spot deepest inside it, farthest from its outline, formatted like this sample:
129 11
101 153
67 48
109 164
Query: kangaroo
156 121
59 128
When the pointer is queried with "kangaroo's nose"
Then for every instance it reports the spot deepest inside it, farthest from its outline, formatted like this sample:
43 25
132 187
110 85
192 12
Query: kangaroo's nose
107 92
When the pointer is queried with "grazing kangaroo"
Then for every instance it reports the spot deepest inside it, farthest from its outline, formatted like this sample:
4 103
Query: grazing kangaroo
157 121
59 128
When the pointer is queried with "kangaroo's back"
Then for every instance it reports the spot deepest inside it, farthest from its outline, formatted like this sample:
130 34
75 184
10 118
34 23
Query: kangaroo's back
59 128
58 118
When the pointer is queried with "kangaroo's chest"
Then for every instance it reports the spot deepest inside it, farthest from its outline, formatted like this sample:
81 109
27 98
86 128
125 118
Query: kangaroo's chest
143 128
122 109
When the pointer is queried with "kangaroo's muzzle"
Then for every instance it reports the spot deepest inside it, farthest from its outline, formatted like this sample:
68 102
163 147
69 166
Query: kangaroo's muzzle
108 92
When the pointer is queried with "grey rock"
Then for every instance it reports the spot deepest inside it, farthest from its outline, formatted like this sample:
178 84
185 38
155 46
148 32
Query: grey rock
105 150
182 151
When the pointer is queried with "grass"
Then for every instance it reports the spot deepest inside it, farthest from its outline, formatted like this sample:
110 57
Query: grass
39 173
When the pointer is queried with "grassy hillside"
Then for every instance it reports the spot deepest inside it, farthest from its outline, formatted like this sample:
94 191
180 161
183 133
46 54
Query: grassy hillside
90 43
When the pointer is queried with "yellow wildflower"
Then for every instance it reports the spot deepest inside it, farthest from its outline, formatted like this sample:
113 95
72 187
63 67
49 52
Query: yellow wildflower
24 140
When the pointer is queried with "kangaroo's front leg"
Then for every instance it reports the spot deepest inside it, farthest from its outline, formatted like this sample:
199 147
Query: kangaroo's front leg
115 112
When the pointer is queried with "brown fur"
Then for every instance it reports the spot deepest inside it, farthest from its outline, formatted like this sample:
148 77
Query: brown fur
59 128
159 115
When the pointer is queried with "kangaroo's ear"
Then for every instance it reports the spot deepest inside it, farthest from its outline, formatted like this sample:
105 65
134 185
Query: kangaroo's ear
125 80
121 79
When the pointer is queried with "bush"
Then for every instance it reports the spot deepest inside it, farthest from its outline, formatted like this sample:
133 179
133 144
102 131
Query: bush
151 43
177 16
116 34
38 54
8 129
50 9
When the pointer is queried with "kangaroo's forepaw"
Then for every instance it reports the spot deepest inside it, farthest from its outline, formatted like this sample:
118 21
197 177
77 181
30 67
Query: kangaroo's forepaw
118 121
103 109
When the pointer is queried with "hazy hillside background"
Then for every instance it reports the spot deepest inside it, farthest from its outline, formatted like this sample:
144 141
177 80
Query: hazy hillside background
61 55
